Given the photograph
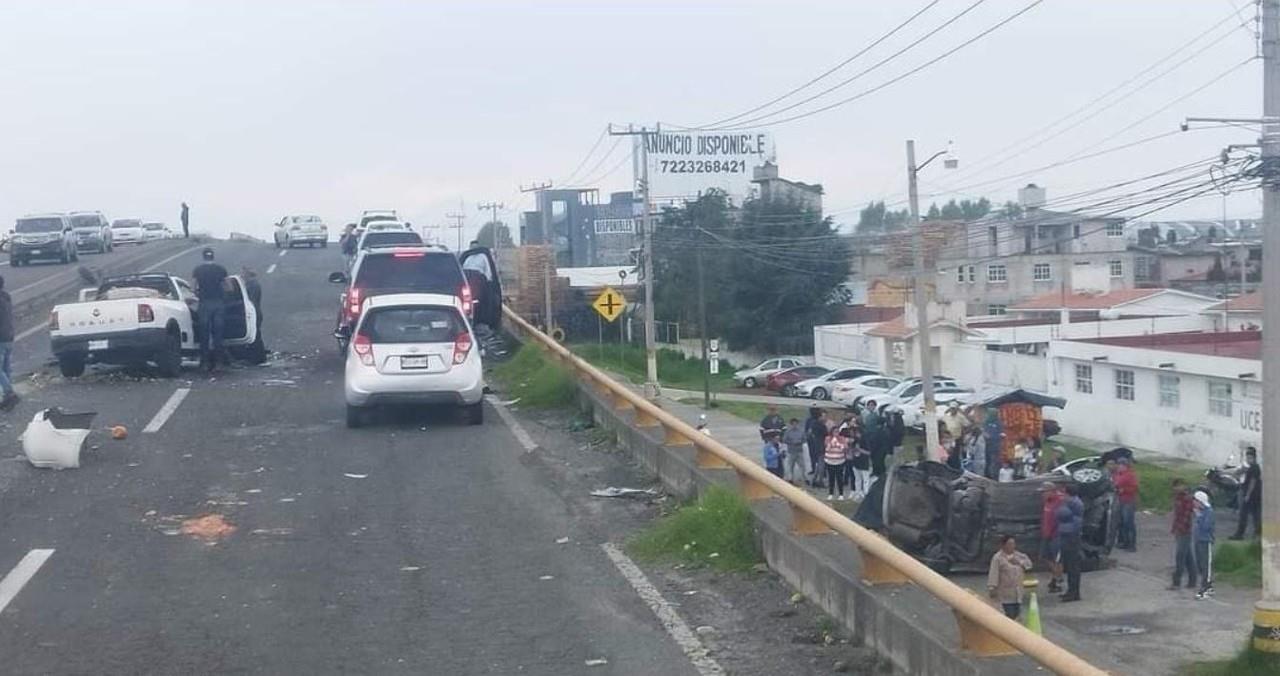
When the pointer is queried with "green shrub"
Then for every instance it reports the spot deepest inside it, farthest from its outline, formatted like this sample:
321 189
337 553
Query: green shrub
1249 662
674 369
717 530
535 380
1239 563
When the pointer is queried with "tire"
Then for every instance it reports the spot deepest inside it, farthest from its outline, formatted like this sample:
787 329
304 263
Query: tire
324 244
788 390
749 383
169 361
475 413
355 417
820 393
71 366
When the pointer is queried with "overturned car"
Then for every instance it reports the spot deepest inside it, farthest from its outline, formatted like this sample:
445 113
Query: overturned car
952 520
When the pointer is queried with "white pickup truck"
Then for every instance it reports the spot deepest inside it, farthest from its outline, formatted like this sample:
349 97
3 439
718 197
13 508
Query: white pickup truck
135 319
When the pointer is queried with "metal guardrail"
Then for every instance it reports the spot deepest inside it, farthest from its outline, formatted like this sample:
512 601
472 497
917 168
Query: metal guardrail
984 630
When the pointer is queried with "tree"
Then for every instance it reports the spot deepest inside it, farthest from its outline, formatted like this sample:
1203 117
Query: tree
772 270
486 235
1011 211
876 218
964 210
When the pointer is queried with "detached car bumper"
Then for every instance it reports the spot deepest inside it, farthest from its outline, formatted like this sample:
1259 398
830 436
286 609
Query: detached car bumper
112 347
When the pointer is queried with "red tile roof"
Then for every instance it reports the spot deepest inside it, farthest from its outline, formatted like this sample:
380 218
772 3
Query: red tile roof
1238 344
1084 301
1250 302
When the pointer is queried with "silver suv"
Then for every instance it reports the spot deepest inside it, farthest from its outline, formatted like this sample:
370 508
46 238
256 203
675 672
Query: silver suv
47 236
92 230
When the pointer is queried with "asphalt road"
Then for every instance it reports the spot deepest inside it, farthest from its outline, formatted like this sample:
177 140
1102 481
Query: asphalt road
420 545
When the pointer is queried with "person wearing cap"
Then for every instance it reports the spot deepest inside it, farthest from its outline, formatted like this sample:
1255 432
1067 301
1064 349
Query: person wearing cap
210 279
1202 536
1070 519
1125 481
702 424
1183 519
954 420
1052 495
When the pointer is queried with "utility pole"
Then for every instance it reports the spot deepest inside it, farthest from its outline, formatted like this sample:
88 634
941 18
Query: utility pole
923 275
1266 614
650 349
459 217
546 268
702 328
493 208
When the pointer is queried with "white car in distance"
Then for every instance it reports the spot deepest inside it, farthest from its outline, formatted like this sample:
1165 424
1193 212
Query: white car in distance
913 409
127 231
821 387
294 231
413 348
866 387
153 231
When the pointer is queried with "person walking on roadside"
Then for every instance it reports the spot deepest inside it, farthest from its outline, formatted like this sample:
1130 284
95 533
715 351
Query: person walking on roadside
186 221
1004 577
771 423
859 464
1070 518
1202 537
833 458
253 289
348 243
210 278
1050 547
6 350
772 455
1126 482
815 432
1250 496
1183 516
875 440
793 440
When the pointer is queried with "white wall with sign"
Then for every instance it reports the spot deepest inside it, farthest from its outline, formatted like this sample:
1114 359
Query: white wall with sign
685 163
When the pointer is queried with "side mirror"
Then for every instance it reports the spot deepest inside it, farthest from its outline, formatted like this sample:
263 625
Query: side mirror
338 277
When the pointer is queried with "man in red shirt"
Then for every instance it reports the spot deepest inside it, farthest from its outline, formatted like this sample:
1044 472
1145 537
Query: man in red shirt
1049 545
1183 511
1125 480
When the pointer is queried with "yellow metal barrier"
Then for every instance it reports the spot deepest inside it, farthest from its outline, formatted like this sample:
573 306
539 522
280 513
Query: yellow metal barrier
983 629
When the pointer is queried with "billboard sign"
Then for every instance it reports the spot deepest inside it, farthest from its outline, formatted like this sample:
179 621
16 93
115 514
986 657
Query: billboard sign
615 226
685 163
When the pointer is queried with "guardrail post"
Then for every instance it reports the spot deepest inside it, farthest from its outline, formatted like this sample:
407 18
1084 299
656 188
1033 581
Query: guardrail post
708 460
875 571
976 639
645 419
804 523
673 437
752 489
620 403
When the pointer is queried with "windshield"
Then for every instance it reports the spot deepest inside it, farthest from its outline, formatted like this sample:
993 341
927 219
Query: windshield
305 219
39 225
390 238
429 271
126 223
415 324
85 221
365 221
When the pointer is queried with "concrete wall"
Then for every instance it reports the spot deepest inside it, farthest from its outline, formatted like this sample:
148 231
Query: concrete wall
1020 273
976 366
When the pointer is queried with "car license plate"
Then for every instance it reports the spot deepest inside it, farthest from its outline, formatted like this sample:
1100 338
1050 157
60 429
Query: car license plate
98 344
418 362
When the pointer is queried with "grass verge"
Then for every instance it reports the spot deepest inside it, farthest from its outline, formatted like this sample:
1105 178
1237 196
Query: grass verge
1239 563
1249 662
674 369
535 380
717 531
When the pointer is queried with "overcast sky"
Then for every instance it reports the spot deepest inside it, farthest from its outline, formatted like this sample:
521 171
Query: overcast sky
252 110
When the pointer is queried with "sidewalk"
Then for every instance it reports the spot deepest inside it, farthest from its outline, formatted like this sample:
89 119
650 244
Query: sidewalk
1127 615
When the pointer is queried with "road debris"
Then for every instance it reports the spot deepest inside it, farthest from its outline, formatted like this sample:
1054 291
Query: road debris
53 439
410 569
271 531
208 527
544 578
615 492
562 541
349 475
596 662
119 432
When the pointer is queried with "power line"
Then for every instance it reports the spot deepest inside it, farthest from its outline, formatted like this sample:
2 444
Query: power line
600 139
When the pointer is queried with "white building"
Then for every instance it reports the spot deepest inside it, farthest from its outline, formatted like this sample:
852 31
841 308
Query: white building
1191 395
1237 314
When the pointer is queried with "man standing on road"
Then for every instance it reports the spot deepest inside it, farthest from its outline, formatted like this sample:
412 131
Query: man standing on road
349 242
815 432
1250 496
1126 483
1070 517
1202 534
186 230
253 289
1050 546
793 440
210 278
1183 513
6 349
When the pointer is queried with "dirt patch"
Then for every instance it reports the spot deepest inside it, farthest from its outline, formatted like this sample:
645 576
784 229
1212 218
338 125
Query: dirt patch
208 527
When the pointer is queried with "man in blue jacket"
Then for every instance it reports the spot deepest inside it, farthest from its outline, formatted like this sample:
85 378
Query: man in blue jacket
1202 538
1070 518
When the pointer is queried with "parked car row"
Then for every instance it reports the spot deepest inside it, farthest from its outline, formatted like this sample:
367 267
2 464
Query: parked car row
413 321
63 237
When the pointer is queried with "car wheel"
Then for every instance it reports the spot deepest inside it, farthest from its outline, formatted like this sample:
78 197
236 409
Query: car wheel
749 383
475 413
169 361
788 390
1092 480
820 393
324 244
355 416
71 366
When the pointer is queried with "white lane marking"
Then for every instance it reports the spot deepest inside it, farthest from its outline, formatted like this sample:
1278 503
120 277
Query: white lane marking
517 429
162 416
180 254
22 574
667 615
271 268
31 331
282 253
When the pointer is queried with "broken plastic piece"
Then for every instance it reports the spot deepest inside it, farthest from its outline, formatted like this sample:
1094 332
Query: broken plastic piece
615 492
349 475
53 438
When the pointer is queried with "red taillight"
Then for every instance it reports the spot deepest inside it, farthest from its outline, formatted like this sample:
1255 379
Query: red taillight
53 320
465 293
409 254
364 349
461 346
353 303
145 313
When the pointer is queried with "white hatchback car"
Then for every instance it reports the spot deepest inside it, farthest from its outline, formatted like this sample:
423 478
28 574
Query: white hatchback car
413 348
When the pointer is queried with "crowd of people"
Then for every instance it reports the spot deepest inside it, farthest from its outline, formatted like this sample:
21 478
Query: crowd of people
846 455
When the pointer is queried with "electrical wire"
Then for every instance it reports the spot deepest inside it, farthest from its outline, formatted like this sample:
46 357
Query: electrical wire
599 139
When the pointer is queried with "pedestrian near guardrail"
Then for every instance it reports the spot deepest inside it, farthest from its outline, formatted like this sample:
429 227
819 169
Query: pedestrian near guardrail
815 430
833 458
793 439
10 398
772 455
1004 577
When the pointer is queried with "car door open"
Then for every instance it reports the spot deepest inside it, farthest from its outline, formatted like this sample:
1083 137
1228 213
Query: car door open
481 271
241 323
